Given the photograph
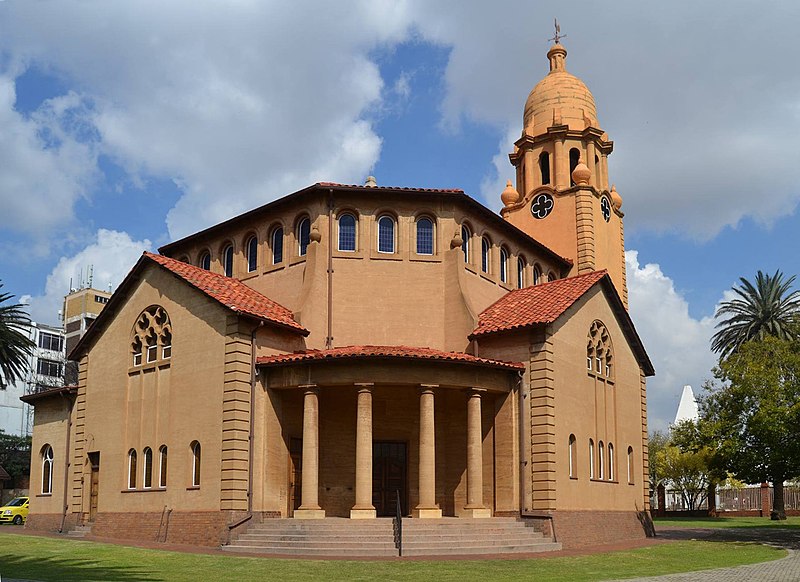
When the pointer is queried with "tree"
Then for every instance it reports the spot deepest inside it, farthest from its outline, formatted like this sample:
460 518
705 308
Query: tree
751 414
686 471
657 441
15 455
764 309
15 346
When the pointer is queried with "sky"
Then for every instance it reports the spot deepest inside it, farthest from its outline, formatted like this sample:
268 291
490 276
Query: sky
126 125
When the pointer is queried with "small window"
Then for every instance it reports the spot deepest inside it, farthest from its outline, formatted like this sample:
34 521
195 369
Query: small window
205 261
630 465
136 348
277 245
551 276
252 254
503 265
386 234
544 167
227 260
52 342
48 368
537 274
465 236
520 273
132 469
610 462
148 467
195 446
47 470
485 246
162 466
574 160
424 236
591 459
600 458
572 458
166 344
303 236
347 232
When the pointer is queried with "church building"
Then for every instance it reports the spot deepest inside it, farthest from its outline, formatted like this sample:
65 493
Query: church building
358 351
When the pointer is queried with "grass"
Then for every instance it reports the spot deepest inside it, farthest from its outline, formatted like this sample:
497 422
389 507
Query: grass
42 558
726 522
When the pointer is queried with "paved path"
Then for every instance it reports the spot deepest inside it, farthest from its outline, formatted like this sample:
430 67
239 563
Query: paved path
784 570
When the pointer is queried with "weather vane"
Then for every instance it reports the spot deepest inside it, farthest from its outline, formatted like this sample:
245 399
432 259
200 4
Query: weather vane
557 36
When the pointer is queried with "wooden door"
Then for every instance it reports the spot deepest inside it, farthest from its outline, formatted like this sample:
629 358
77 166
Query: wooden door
389 476
295 474
94 484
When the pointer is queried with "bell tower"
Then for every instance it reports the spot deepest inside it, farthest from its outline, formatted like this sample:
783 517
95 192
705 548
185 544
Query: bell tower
562 196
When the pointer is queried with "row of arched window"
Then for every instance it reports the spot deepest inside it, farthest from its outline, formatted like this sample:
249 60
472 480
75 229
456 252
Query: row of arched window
526 275
386 237
147 468
601 462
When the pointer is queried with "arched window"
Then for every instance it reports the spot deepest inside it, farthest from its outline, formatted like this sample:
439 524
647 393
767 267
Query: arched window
610 462
424 236
466 234
47 470
573 472
148 468
520 273
537 274
276 241
599 351
227 260
630 465
503 265
574 159
132 469
184 259
591 459
303 236
252 254
485 246
205 261
195 446
544 167
551 276
347 232
151 332
386 234
162 466
600 458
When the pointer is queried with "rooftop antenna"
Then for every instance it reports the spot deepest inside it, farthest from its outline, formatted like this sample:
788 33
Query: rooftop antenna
90 275
558 36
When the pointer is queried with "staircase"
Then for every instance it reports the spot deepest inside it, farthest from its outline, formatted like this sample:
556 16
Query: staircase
79 532
375 539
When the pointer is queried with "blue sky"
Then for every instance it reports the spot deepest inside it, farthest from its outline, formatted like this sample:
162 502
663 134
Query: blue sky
130 124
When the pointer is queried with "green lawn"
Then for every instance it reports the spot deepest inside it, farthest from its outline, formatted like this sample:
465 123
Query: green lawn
714 522
40 558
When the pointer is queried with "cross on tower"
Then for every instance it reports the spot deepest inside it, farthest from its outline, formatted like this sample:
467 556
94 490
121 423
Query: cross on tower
558 36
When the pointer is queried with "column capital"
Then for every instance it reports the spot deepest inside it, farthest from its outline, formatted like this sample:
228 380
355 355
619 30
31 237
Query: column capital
306 388
364 386
476 391
427 388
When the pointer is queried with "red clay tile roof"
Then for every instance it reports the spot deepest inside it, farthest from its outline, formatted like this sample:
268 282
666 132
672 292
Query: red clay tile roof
231 293
404 352
394 188
537 304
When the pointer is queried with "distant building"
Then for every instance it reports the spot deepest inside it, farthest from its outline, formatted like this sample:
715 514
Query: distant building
81 308
687 408
45 370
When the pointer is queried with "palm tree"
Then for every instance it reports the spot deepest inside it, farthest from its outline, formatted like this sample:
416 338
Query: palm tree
764 309
15 346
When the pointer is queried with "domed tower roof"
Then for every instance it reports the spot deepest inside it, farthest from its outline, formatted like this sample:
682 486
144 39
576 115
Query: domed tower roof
559 99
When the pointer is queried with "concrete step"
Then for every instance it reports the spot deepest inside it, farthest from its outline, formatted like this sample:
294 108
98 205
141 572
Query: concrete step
319 552
481 550
79 531
320 544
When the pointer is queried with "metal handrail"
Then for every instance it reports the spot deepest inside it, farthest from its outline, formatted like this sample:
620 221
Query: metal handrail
397 522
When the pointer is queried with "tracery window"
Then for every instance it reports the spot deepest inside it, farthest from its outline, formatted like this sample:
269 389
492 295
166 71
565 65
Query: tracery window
152 336
424 236
47 470
347 232
599 351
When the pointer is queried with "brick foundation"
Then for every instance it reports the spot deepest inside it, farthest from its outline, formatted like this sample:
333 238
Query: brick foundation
578 529
50 522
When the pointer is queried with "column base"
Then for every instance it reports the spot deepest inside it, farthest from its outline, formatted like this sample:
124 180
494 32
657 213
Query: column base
363 513
476 513
309 513
426 513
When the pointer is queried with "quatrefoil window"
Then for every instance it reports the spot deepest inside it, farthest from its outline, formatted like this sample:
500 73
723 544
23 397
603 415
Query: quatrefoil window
599 351
605 208
152 336
542 205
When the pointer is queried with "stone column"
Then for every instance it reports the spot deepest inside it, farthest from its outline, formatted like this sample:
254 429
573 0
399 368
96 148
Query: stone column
475 507
309 494
363 509
560 179
594 179
427 507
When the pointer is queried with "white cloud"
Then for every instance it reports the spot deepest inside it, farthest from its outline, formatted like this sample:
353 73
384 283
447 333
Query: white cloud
678 344
111 256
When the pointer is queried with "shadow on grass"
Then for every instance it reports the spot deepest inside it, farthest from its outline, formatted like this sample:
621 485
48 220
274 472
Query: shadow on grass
727 522
62 570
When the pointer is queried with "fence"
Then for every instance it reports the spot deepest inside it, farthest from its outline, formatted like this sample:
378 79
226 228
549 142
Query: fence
750 498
